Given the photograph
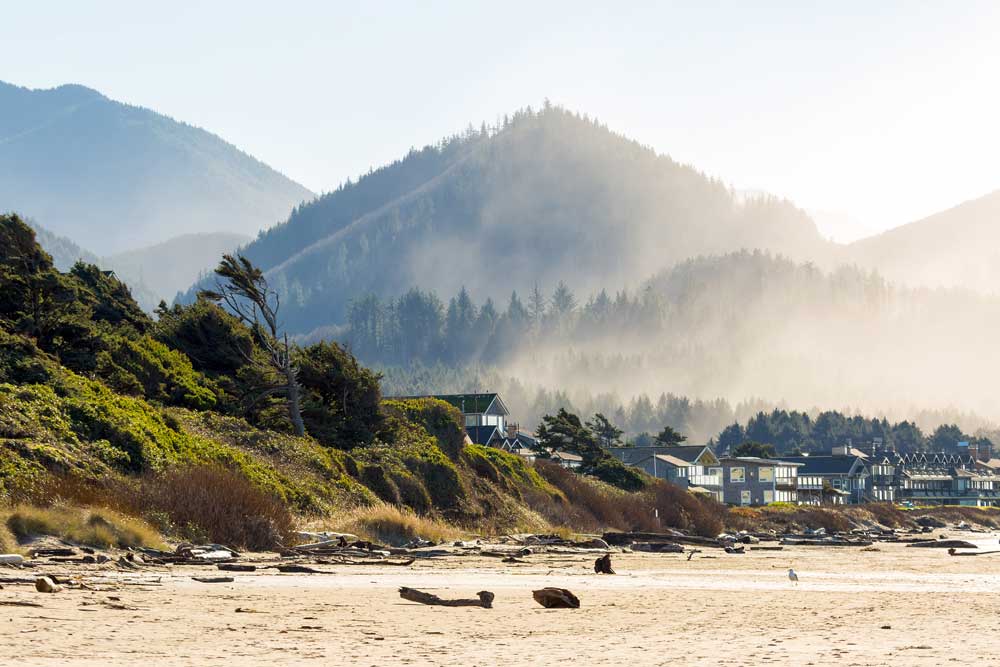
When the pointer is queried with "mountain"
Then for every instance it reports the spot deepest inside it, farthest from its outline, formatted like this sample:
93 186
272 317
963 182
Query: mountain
65 253
153 274
959 247
543 197
115 177
170 267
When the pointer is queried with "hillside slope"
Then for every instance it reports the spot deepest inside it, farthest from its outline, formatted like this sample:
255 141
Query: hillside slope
959 247
547 196
115 177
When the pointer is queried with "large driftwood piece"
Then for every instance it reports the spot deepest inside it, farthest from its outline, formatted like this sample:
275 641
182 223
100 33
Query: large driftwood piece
944 544
413 595
556 598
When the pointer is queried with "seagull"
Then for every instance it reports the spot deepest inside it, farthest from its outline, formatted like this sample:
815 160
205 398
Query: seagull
792 577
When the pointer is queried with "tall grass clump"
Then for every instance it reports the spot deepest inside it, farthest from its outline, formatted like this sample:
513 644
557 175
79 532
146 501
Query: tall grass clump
212 503
394 525
8 543
94 527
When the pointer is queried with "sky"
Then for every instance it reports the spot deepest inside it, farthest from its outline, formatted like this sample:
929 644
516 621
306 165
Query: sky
868 115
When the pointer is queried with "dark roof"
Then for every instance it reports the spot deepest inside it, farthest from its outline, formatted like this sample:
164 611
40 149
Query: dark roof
687 453
756 460
483 435
472 403
823 465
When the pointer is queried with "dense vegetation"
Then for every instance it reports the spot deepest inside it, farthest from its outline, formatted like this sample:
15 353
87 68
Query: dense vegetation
98 401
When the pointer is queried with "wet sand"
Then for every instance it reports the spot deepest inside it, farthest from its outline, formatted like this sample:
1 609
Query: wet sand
896 606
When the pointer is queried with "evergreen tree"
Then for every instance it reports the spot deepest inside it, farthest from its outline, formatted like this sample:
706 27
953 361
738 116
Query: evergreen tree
668 437
607 434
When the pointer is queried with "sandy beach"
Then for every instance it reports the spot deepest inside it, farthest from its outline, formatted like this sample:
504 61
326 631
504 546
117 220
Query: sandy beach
895 606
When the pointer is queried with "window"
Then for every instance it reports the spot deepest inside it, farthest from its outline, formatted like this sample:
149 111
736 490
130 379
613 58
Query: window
737 475
766 474
472 420
717 472
768 496
744 497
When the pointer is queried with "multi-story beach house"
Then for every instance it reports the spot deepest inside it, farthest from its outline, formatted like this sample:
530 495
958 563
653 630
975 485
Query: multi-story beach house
842 477
748 480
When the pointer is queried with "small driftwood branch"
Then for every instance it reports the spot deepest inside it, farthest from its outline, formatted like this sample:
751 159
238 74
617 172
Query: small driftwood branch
413 595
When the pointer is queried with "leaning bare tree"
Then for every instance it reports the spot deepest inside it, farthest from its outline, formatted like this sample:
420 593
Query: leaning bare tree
245 292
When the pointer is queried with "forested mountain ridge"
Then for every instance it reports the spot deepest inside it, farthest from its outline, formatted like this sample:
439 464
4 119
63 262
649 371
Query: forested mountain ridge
543 196
115 177
953 248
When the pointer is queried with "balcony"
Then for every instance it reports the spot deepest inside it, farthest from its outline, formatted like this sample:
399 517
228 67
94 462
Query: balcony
707 481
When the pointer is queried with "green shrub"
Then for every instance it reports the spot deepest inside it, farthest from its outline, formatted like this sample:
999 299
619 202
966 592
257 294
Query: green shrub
441 420
609 469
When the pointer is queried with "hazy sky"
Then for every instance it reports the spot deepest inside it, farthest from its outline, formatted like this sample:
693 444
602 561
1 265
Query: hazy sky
872 116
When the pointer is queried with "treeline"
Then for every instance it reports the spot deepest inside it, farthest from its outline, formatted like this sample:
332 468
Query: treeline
792 432
727 298
419 327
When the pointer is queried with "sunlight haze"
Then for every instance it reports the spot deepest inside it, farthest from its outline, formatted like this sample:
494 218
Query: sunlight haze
884 114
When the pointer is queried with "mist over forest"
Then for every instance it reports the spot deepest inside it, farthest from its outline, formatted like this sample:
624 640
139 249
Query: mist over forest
551 249
748 328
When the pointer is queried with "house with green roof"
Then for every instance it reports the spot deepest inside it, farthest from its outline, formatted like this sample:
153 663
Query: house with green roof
484 415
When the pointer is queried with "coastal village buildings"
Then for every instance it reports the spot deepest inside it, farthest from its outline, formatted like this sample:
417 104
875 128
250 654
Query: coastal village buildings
847 475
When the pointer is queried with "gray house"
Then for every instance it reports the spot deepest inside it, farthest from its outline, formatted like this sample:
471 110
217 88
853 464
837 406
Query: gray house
832 479
748 480
693 467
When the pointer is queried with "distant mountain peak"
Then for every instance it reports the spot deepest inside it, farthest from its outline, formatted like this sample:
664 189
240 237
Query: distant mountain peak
115 177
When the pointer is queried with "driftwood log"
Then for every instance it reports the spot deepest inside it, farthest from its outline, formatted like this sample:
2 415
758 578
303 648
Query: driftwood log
944 544
556 598
413 595
236 567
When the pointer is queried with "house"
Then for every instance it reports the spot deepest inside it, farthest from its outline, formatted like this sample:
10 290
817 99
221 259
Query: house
518 442
566 459
688 466
946 479
839 478
484 415
748 480
882 485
